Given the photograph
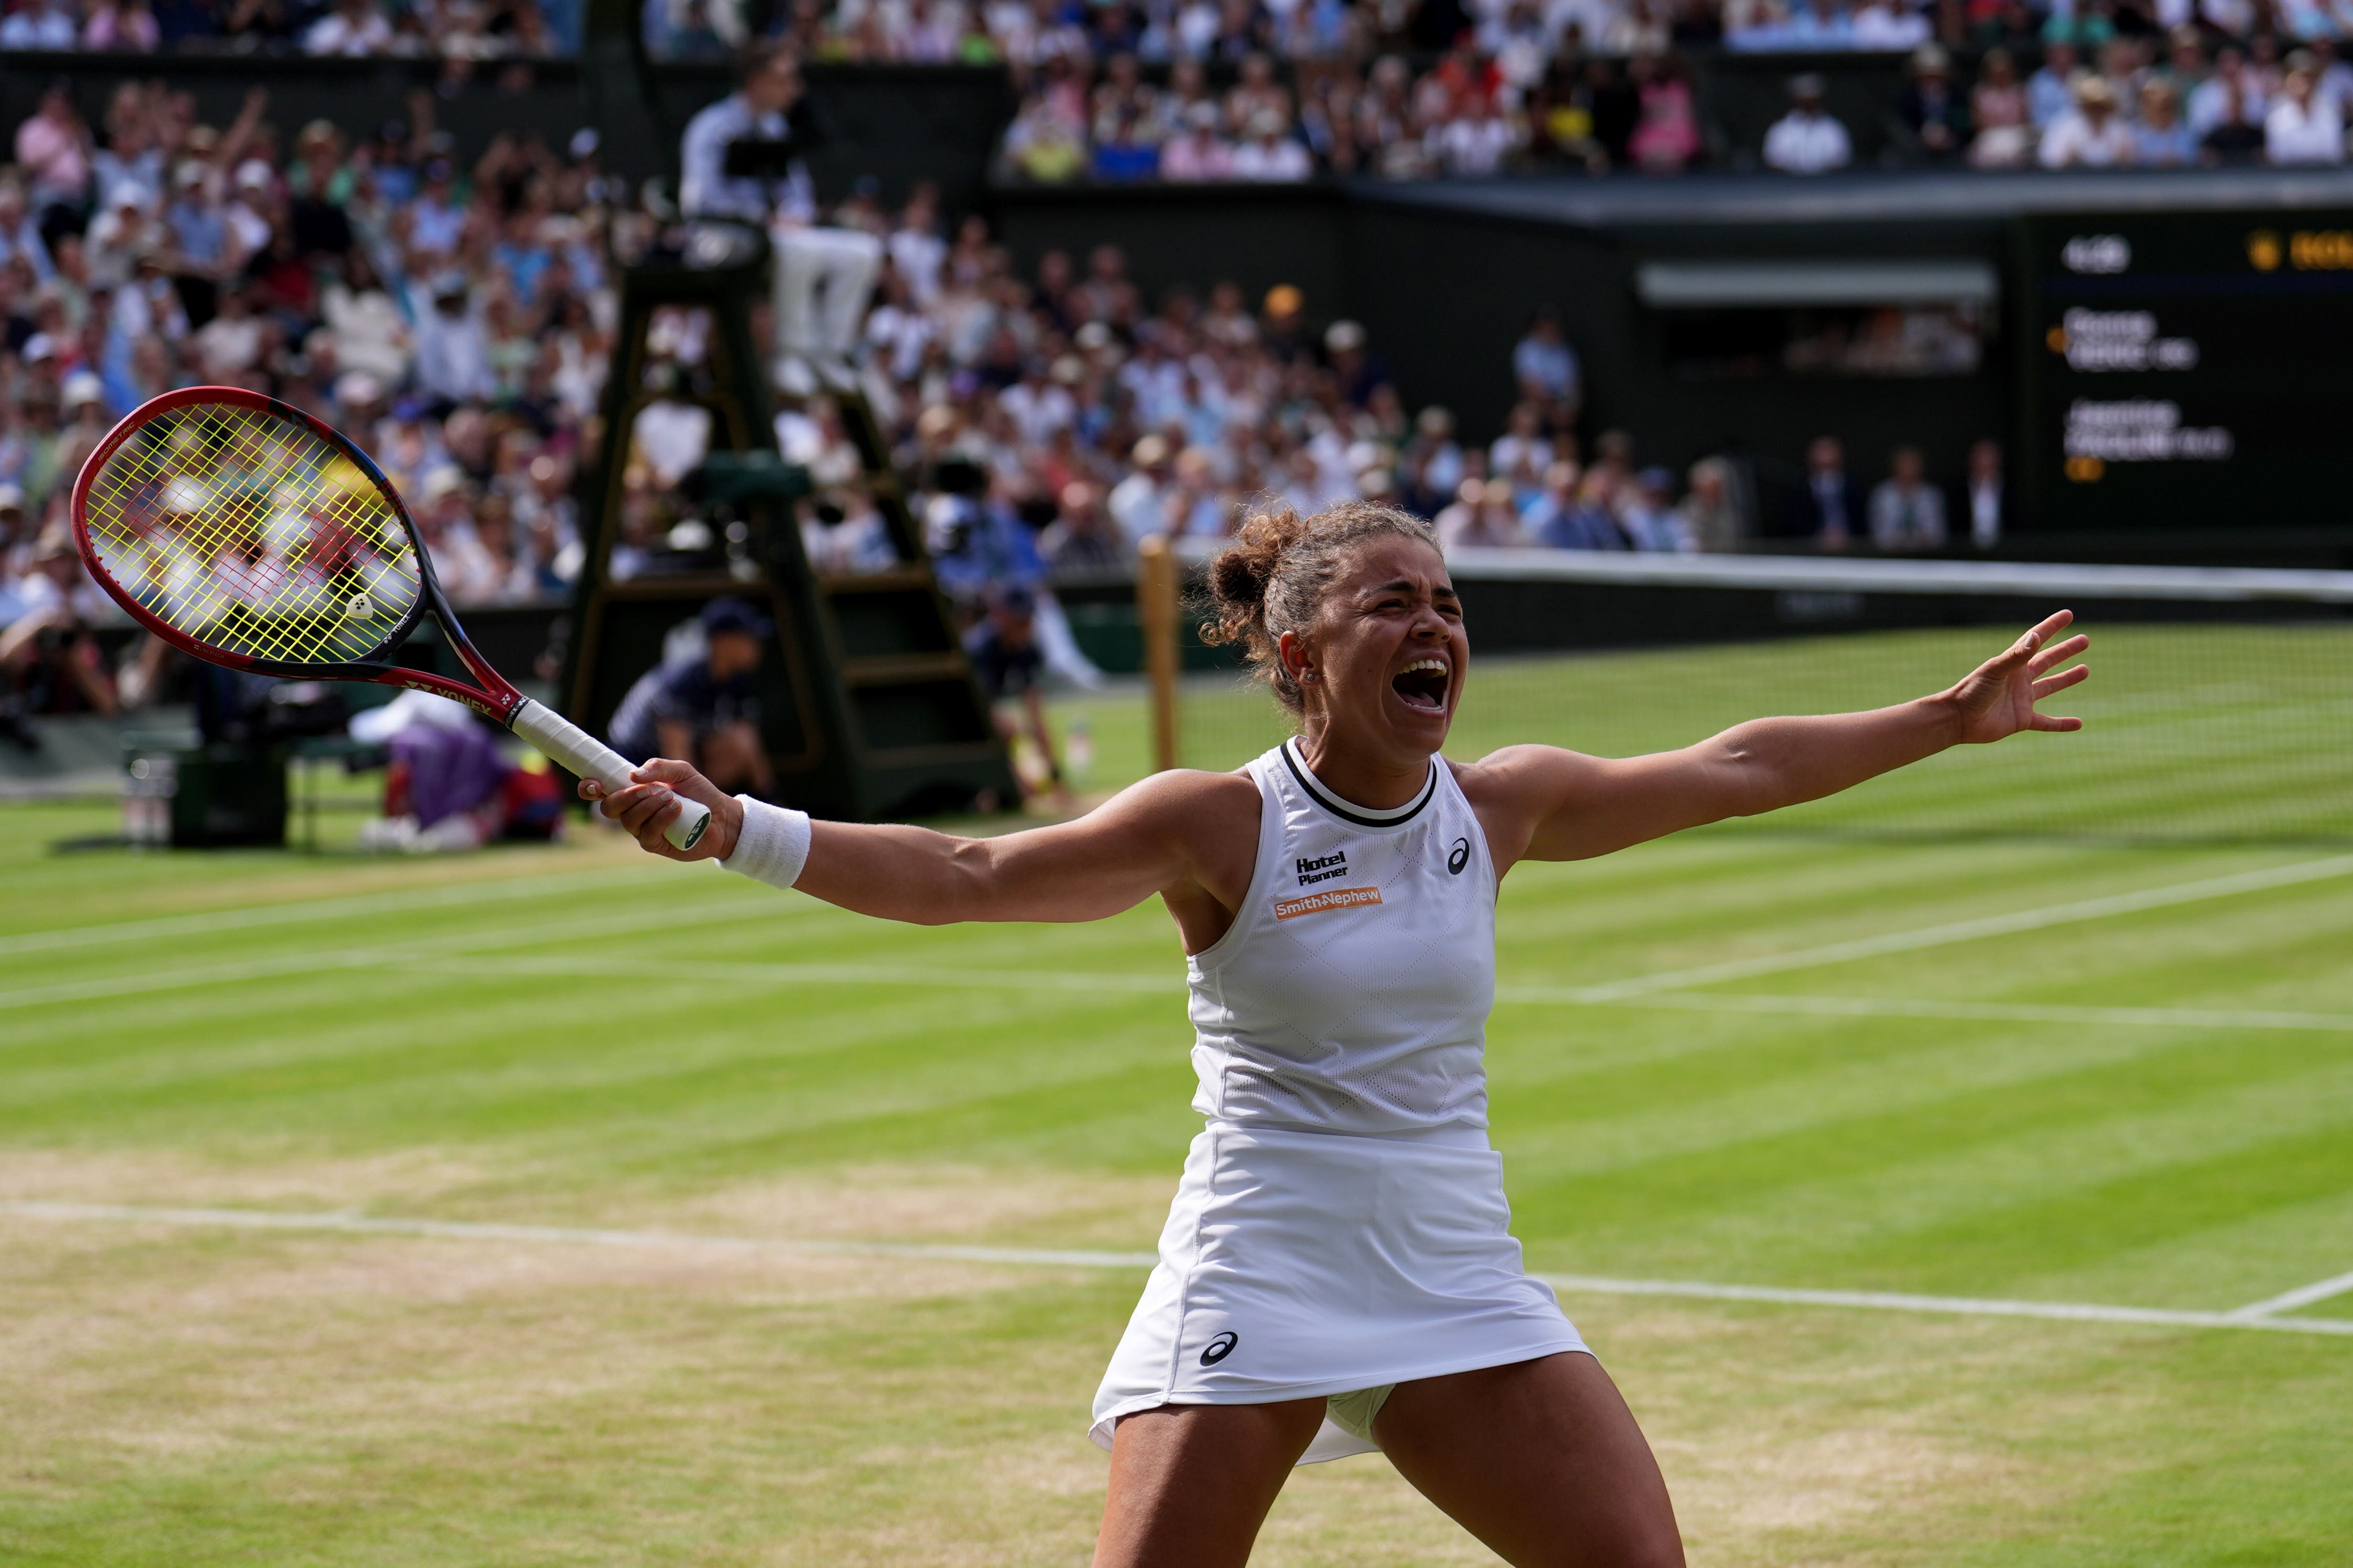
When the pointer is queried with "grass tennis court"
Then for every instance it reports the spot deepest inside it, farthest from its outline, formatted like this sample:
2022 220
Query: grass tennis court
2000 1069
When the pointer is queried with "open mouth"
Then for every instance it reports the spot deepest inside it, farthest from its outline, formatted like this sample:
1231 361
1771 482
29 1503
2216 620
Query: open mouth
1422 685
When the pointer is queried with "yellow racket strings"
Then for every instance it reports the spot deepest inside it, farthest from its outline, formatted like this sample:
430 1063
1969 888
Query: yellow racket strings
250 533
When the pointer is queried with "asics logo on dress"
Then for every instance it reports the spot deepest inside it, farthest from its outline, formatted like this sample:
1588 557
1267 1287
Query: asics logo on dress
1460 857
1219 1348
1324 868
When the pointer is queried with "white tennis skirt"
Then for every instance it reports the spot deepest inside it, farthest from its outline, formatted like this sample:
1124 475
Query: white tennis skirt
1298 1265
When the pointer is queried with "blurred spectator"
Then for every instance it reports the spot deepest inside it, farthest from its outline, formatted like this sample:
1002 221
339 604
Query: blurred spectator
1566 516
1084 538
1711 513
2049 92
351 27
2162 140
1985 500
698 705
1270 155
1998 107
1829 512
1547 369
2091 135
40 25
1667 138
848 537
1647 519
1935 120
1908 513
127 26
2227 95
49 660
2303 127
1197 152
1481 519
1806 140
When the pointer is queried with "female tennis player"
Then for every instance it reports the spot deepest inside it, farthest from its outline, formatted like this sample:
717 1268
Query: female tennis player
1336 1274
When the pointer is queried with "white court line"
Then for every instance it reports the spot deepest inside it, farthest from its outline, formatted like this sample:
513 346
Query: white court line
448 896
455 1230
461 1230
2302 1296
1969 931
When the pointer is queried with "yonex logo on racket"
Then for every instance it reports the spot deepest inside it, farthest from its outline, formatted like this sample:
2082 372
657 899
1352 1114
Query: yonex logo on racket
1218 1348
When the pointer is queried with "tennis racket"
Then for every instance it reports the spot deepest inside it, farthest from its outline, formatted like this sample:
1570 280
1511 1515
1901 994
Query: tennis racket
252 536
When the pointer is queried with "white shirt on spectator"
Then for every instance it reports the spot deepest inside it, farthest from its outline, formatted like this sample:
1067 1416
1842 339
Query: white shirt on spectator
339 34
2295 135
1039 409
2073 142
1280 160
1883 27
228 346
1138 506
1473 146
453 358
919 254
1802 143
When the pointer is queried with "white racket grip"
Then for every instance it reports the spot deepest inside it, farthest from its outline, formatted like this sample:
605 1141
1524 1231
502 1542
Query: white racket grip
576 749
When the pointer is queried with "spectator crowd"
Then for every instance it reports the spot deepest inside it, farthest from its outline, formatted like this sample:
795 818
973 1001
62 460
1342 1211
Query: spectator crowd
456 321
2128 104
459 30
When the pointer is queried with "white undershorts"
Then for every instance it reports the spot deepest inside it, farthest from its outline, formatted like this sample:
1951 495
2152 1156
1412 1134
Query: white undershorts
1304 1265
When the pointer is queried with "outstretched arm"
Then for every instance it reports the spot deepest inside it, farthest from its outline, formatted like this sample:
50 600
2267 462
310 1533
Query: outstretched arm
1174 832
1540 803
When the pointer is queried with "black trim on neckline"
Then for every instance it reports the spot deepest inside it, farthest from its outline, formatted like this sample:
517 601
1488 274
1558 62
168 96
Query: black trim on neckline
1348 812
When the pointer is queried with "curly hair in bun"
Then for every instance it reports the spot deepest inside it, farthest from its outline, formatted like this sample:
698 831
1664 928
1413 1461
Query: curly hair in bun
1271 579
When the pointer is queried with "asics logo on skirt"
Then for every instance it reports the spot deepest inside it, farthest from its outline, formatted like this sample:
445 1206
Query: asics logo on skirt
1219 1348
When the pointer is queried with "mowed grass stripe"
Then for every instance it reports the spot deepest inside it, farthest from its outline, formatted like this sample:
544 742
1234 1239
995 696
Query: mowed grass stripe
1799 1180
1067 1257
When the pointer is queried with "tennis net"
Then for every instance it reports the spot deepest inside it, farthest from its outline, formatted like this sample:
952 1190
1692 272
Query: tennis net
2216 712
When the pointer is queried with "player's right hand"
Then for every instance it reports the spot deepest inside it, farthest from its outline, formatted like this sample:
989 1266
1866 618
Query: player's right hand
647 805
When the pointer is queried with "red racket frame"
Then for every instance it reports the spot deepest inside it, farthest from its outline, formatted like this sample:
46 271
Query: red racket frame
496 696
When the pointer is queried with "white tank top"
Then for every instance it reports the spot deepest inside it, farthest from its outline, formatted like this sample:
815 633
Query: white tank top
1351 994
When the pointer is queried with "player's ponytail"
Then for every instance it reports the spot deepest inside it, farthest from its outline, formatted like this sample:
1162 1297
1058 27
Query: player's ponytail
1271 579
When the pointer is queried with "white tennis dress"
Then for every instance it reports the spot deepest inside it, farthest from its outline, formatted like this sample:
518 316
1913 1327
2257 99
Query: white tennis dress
1341 1223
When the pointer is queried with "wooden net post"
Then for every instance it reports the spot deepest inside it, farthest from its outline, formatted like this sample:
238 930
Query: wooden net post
1157 611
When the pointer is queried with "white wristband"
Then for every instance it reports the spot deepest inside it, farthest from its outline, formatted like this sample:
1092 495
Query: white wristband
772 846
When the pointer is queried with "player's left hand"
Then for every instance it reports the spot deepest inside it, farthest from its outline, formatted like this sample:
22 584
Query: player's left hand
647 805
1999 698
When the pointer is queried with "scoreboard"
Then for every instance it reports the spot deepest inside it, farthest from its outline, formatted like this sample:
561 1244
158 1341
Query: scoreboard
2186 370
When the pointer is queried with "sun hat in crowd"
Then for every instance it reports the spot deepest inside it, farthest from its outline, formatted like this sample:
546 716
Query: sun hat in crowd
81 388
12 498
1344 337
